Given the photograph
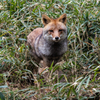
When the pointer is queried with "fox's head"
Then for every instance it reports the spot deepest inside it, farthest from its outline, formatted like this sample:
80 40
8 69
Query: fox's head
54 29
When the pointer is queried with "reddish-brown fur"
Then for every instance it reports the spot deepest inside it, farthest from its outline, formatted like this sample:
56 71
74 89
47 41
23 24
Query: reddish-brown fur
32 36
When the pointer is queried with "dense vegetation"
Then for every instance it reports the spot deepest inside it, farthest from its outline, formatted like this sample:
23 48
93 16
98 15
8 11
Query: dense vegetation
80 64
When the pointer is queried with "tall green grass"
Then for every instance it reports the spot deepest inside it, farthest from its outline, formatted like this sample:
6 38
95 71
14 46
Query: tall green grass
81 64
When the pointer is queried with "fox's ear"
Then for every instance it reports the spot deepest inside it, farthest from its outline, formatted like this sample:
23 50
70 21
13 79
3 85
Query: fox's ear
63 18
45 20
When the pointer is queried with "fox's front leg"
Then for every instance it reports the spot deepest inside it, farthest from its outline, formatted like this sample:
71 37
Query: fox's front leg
45 64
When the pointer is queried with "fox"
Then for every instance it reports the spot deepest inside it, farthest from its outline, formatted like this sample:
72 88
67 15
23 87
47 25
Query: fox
49 44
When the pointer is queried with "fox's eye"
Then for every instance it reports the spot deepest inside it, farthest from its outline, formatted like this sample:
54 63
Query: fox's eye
50 30
60 30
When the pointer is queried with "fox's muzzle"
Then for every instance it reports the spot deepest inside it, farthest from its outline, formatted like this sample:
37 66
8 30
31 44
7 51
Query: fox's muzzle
56 39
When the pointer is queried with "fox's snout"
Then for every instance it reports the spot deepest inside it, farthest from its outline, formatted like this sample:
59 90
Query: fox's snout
56 36
56 39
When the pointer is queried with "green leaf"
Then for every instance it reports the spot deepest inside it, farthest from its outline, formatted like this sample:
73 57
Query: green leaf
87 82
51 66
21 39
69 92
2 96
80 85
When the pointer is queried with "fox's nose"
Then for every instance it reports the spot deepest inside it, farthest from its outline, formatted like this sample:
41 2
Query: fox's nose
56 38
